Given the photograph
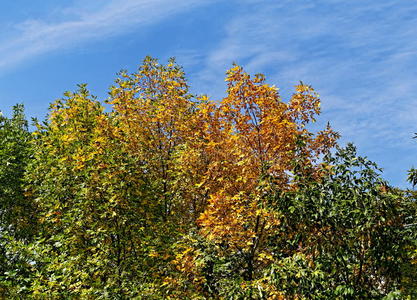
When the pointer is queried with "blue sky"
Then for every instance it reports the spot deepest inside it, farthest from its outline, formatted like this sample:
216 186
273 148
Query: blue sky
360 55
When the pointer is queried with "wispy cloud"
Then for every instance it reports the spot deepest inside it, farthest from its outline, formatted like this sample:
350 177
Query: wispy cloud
80 24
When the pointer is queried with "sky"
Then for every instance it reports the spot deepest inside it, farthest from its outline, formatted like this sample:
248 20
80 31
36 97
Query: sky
359 55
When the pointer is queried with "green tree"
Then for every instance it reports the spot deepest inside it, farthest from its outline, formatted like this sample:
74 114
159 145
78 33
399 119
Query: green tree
412 173
17 222
15 153
344 235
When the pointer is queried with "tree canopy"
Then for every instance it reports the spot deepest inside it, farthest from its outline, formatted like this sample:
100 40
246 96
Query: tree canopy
170 195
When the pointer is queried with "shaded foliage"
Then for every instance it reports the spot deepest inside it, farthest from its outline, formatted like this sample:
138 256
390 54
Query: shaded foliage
17 221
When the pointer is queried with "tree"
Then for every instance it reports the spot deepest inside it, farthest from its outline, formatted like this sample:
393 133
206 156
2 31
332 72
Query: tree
248 143
15 154
17 224
344 235
104 183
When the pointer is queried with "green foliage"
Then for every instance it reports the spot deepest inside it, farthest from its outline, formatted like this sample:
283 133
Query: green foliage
350 227
17 224
15 153
412 176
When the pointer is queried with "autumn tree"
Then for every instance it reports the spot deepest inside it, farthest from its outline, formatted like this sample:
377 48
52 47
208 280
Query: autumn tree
105 185
152 109
249 143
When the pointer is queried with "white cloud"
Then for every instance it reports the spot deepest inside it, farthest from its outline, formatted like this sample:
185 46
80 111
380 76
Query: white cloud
82 24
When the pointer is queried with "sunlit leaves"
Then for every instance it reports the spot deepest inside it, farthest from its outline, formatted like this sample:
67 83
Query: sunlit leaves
250 144
165 195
